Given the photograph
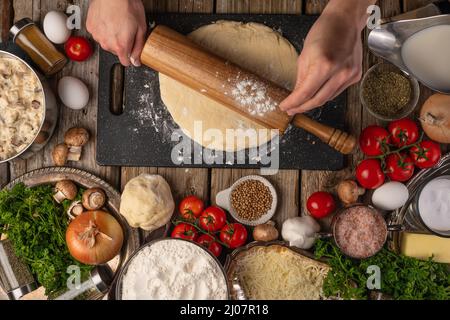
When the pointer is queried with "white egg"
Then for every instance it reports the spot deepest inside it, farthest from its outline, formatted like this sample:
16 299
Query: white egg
73 93
55 27
390 196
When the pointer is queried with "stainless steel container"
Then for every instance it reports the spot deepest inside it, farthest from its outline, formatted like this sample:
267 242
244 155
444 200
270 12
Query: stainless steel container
49 119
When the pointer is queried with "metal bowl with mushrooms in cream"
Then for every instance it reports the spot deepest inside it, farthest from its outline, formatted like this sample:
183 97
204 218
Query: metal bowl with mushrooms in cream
22 107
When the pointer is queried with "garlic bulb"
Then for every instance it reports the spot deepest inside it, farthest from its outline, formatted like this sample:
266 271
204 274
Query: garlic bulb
300 231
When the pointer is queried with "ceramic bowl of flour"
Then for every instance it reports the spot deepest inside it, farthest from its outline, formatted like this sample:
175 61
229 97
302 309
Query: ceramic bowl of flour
172 269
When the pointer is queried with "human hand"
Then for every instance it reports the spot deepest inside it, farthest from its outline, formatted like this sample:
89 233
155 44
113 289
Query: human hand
120 27
331 59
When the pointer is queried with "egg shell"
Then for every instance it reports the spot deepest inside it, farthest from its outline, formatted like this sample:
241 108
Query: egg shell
390 196
55 27
73 93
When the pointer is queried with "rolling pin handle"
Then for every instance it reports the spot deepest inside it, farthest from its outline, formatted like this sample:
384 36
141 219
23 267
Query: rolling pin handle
335 138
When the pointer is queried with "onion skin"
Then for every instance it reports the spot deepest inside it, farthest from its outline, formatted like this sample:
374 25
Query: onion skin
107 243
435 118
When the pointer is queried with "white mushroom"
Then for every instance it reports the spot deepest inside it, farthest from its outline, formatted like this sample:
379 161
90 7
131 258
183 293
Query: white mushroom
94 199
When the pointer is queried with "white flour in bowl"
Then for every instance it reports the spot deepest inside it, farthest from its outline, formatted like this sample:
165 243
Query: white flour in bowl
173 270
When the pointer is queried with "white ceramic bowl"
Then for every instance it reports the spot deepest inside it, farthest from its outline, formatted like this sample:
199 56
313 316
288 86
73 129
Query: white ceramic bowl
223 200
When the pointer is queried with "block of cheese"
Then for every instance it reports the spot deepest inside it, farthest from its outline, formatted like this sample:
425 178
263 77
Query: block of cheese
423 246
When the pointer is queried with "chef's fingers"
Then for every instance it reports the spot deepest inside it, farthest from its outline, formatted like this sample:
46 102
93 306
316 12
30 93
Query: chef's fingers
325 94
139 43
306 88
122 48
348 84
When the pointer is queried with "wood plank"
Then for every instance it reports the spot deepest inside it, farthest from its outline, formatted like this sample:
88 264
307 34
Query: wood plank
259 6
6 18
285 181
409 5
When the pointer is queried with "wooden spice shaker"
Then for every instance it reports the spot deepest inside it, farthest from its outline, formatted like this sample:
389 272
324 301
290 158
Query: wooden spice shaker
30 38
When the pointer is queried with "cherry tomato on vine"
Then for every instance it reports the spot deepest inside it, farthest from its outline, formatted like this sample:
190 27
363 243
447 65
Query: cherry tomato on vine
213 219
399 167
185 231
426 155
373 139
403 132
320 204
369 174
78 49
210 243
234 235
191 207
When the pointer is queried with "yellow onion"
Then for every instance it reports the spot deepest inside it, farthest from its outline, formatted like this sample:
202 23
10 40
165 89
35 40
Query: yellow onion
94 237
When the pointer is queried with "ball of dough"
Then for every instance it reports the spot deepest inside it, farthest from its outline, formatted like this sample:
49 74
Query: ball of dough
147 202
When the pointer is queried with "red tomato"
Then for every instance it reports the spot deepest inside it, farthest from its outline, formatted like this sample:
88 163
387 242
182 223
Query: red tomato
191 207
211 244
426 155
403 132
320 204
399 167
185 231
370 174
234 235
213 219
372 140
78 49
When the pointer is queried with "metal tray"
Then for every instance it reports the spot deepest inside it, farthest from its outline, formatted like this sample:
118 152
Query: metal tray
85 180
236 291
405 215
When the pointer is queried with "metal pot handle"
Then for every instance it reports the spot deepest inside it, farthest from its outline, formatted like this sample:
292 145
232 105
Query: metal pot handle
324 235
395 228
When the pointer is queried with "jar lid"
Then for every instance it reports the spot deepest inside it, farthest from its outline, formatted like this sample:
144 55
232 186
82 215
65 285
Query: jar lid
19 26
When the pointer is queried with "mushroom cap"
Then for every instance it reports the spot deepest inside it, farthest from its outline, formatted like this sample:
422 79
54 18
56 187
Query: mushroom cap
76 137
94 199
60 154
68 188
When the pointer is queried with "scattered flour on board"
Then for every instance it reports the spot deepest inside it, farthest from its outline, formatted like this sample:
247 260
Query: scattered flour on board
149 116
253 95
173 270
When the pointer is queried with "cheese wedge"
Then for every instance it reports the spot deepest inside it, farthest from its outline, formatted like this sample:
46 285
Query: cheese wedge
423 246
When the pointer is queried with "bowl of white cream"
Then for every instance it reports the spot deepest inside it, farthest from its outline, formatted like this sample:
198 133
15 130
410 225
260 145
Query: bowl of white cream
172 269
433 206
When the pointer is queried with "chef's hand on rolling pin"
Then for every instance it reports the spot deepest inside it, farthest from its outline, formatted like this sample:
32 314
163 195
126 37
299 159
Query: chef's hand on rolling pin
331 59
120 27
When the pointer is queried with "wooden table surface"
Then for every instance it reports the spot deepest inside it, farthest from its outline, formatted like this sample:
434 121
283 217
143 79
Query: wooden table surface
293 186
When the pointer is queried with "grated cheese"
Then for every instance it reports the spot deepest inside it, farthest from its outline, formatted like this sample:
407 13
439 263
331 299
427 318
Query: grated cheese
278 273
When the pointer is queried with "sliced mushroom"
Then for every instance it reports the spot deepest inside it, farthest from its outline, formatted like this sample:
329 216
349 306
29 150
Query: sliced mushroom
75 209
65 189
35 104
75 139
94 199
60 154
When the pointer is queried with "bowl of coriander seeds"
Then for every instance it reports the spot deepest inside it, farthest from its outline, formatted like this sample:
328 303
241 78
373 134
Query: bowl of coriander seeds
251 200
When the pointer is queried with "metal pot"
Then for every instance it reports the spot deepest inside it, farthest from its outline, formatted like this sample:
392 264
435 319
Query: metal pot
49 119
337 218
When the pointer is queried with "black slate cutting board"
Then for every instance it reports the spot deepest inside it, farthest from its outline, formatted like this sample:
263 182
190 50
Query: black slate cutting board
141 134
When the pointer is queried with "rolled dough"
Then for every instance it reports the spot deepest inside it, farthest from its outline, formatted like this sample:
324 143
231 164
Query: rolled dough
253 46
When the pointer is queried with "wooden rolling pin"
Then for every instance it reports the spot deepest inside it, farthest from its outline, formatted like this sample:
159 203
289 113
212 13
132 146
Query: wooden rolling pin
176 56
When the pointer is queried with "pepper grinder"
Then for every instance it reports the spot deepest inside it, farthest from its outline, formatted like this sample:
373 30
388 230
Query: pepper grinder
15 276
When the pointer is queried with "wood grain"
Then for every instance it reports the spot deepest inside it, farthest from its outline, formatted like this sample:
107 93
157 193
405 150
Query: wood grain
409 5
259 6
